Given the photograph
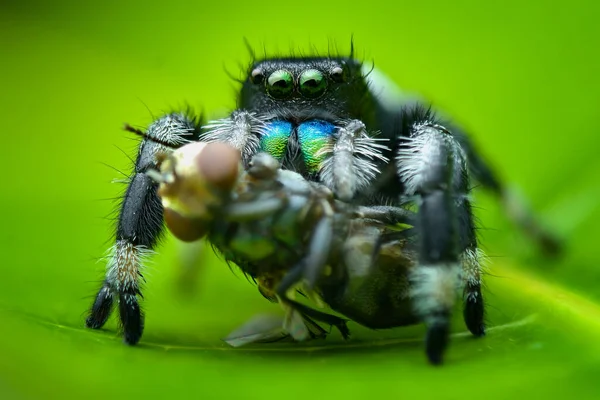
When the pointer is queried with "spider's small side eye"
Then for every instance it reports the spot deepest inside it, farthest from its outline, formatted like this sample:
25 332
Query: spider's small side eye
280 84
257 76
337 74
312 83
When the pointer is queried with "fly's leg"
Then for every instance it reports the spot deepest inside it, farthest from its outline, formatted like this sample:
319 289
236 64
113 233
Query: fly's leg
386 214
291 279
328 319
139 227
433 168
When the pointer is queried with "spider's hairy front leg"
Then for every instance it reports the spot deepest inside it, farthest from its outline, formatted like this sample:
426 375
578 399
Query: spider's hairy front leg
432 166
139 227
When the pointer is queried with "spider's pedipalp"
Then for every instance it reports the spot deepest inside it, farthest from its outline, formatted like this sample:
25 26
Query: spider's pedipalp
241 130
351 160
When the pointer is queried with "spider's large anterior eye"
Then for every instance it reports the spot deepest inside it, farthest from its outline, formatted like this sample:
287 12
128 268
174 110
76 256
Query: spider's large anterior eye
312 83
280 84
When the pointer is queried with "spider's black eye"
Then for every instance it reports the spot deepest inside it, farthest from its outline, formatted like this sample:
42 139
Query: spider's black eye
280 84
257 76
312 83
338 74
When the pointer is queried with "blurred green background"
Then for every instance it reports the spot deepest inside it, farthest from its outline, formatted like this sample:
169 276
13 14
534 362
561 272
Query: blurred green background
522 76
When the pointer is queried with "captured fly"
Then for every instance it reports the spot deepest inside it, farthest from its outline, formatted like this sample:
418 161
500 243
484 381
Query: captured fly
289 235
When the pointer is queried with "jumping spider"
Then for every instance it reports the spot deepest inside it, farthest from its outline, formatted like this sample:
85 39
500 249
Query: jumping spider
332 121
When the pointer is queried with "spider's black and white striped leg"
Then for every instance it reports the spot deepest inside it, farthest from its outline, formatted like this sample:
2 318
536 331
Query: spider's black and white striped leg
139 227
351 160
433 169
472 262
515 207
242 130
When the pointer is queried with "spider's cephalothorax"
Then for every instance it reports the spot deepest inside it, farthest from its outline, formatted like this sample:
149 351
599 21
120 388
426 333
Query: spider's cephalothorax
309 88
318 116
336 122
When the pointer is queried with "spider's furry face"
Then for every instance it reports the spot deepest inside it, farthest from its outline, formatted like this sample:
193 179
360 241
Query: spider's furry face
306 88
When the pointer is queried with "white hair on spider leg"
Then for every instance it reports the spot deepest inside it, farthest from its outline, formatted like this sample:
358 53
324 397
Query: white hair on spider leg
434 289
421 154
474 264
172 129
241 130
125 263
